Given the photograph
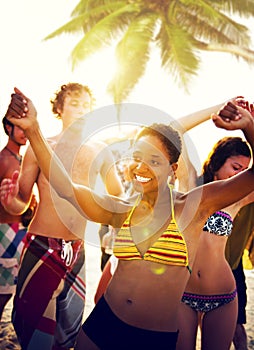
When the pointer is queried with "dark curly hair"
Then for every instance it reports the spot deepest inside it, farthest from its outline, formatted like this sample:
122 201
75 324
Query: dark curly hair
65 90
168 136
6 122
225 148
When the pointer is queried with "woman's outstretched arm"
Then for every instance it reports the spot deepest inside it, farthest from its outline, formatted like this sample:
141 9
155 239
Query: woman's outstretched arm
191 120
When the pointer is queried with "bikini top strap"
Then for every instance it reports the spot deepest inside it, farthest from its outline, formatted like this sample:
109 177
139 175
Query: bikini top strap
170 186
137 200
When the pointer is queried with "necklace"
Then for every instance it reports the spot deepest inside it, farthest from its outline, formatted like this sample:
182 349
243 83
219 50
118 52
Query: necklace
17 156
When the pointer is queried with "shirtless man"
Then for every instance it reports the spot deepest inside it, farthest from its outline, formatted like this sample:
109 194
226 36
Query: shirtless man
12 231
50 297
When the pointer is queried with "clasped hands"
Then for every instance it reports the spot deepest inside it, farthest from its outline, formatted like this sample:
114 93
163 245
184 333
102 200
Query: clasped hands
22 112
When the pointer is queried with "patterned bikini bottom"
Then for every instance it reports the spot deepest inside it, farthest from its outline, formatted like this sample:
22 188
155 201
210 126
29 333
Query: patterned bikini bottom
206 303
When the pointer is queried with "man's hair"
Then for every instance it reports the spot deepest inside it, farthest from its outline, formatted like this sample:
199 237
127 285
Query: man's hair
65 90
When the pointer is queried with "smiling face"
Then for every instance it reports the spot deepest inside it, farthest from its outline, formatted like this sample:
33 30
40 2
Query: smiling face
150 167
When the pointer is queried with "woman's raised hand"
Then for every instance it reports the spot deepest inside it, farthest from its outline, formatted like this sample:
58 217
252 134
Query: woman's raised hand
21 111
233 117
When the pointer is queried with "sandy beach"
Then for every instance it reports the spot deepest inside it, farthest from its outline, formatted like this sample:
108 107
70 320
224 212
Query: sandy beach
7 335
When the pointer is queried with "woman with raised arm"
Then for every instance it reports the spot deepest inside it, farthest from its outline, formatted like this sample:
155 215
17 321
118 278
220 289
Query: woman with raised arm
157 234
210 297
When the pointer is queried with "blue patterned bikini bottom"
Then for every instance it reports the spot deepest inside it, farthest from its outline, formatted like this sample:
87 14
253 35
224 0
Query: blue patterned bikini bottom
206 303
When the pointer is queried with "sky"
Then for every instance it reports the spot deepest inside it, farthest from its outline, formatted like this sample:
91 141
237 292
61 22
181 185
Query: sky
40 67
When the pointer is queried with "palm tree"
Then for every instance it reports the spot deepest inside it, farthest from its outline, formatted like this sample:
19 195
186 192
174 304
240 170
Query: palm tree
180 29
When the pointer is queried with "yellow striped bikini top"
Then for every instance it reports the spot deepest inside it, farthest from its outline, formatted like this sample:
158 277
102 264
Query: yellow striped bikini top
169 249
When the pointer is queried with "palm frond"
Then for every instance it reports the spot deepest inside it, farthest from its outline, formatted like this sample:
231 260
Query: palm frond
89 5
104 33
80 8
85 21
71 27
243 8
177 53
236 50
132 53
185 28
98 10
206 22
207 31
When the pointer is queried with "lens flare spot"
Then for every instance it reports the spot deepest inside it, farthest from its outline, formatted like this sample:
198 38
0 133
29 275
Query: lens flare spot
158 270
